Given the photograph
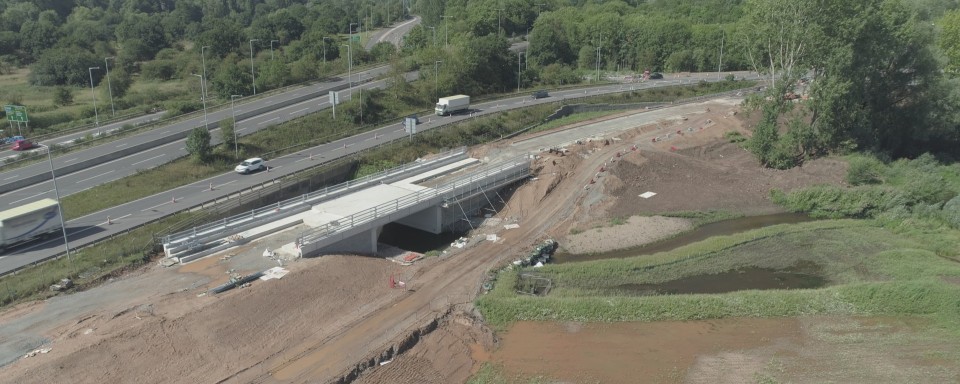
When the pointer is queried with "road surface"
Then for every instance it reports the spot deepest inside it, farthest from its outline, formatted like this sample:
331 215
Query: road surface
93 227
133 162
394 35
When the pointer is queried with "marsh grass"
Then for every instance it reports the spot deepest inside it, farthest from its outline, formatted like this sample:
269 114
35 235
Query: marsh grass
871 270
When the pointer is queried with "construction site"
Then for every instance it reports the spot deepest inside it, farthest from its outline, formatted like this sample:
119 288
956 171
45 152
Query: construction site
319 296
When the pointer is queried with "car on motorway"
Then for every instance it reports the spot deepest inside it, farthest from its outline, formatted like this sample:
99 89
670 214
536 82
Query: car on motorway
540 94
656 76
22 145
11 140
251 165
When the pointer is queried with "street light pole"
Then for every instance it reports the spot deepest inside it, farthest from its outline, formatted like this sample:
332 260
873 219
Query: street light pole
349 68
436 78
203 61
253 74
236 150
539 8
720 65
518 71
271 48
325 49
113 112
350 32
96 115
56 191
498 20
446 30
205 125
434 35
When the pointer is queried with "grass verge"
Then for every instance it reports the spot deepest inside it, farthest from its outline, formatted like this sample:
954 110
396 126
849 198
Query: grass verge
872 271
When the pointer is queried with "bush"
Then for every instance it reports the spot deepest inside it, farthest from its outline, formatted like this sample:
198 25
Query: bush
864 170
180 107
158 69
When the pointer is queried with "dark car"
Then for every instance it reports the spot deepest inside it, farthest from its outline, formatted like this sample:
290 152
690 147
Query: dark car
540 94
22 145
656 76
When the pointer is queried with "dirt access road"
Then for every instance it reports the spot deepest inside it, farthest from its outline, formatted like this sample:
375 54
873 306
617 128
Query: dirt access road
330 314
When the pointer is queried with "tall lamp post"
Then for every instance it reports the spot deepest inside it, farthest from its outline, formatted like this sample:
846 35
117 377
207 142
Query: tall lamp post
113 112
325 49
446 30
434 35
436 78
56 191
236 150
253 74
349 68
518 70
203 61
271 48
539 8
720 65
96 115
350 32
205 125
498 20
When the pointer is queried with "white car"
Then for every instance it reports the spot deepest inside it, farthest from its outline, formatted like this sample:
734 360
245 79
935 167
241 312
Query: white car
251 165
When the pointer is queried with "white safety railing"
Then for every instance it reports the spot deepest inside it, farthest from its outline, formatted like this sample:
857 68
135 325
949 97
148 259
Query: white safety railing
299 203
520 167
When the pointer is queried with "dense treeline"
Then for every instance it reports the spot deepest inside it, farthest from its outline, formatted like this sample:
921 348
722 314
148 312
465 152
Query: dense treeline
162 39
878 75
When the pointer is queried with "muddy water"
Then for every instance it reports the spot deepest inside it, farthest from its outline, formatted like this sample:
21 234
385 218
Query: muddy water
801 276
720 228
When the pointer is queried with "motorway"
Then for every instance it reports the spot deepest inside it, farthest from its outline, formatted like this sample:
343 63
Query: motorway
70 137
90 228
117 169
394 35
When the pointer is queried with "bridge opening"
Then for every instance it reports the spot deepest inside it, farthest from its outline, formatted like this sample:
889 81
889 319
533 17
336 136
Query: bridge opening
412 239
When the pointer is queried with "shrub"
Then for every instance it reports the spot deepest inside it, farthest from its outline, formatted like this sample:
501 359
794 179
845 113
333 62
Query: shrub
864 170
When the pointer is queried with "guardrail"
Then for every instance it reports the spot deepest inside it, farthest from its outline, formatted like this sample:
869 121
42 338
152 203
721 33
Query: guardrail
415 200
281 209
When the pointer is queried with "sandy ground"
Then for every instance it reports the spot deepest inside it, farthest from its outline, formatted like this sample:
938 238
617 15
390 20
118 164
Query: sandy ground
335 316
739 350
633 231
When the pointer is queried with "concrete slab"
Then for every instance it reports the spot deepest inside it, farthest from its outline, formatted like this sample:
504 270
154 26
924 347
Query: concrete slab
442 171
362 200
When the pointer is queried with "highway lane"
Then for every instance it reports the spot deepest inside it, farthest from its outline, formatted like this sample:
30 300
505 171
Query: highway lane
113 170
95 226
69 137
393 35
42 170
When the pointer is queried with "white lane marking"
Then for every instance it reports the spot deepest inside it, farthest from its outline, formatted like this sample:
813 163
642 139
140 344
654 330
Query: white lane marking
71 160
159 205
229 182
115 219
30 197
146 160
122 145
167 131
296 112
93 177
267 121
295 94
12 177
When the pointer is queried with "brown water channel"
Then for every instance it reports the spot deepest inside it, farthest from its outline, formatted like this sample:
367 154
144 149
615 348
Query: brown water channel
805 275
802 275
720 228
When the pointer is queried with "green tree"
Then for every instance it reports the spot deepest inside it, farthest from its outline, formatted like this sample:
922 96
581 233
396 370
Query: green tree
62 96
198 145
231 79
67 66
949 40
227 131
